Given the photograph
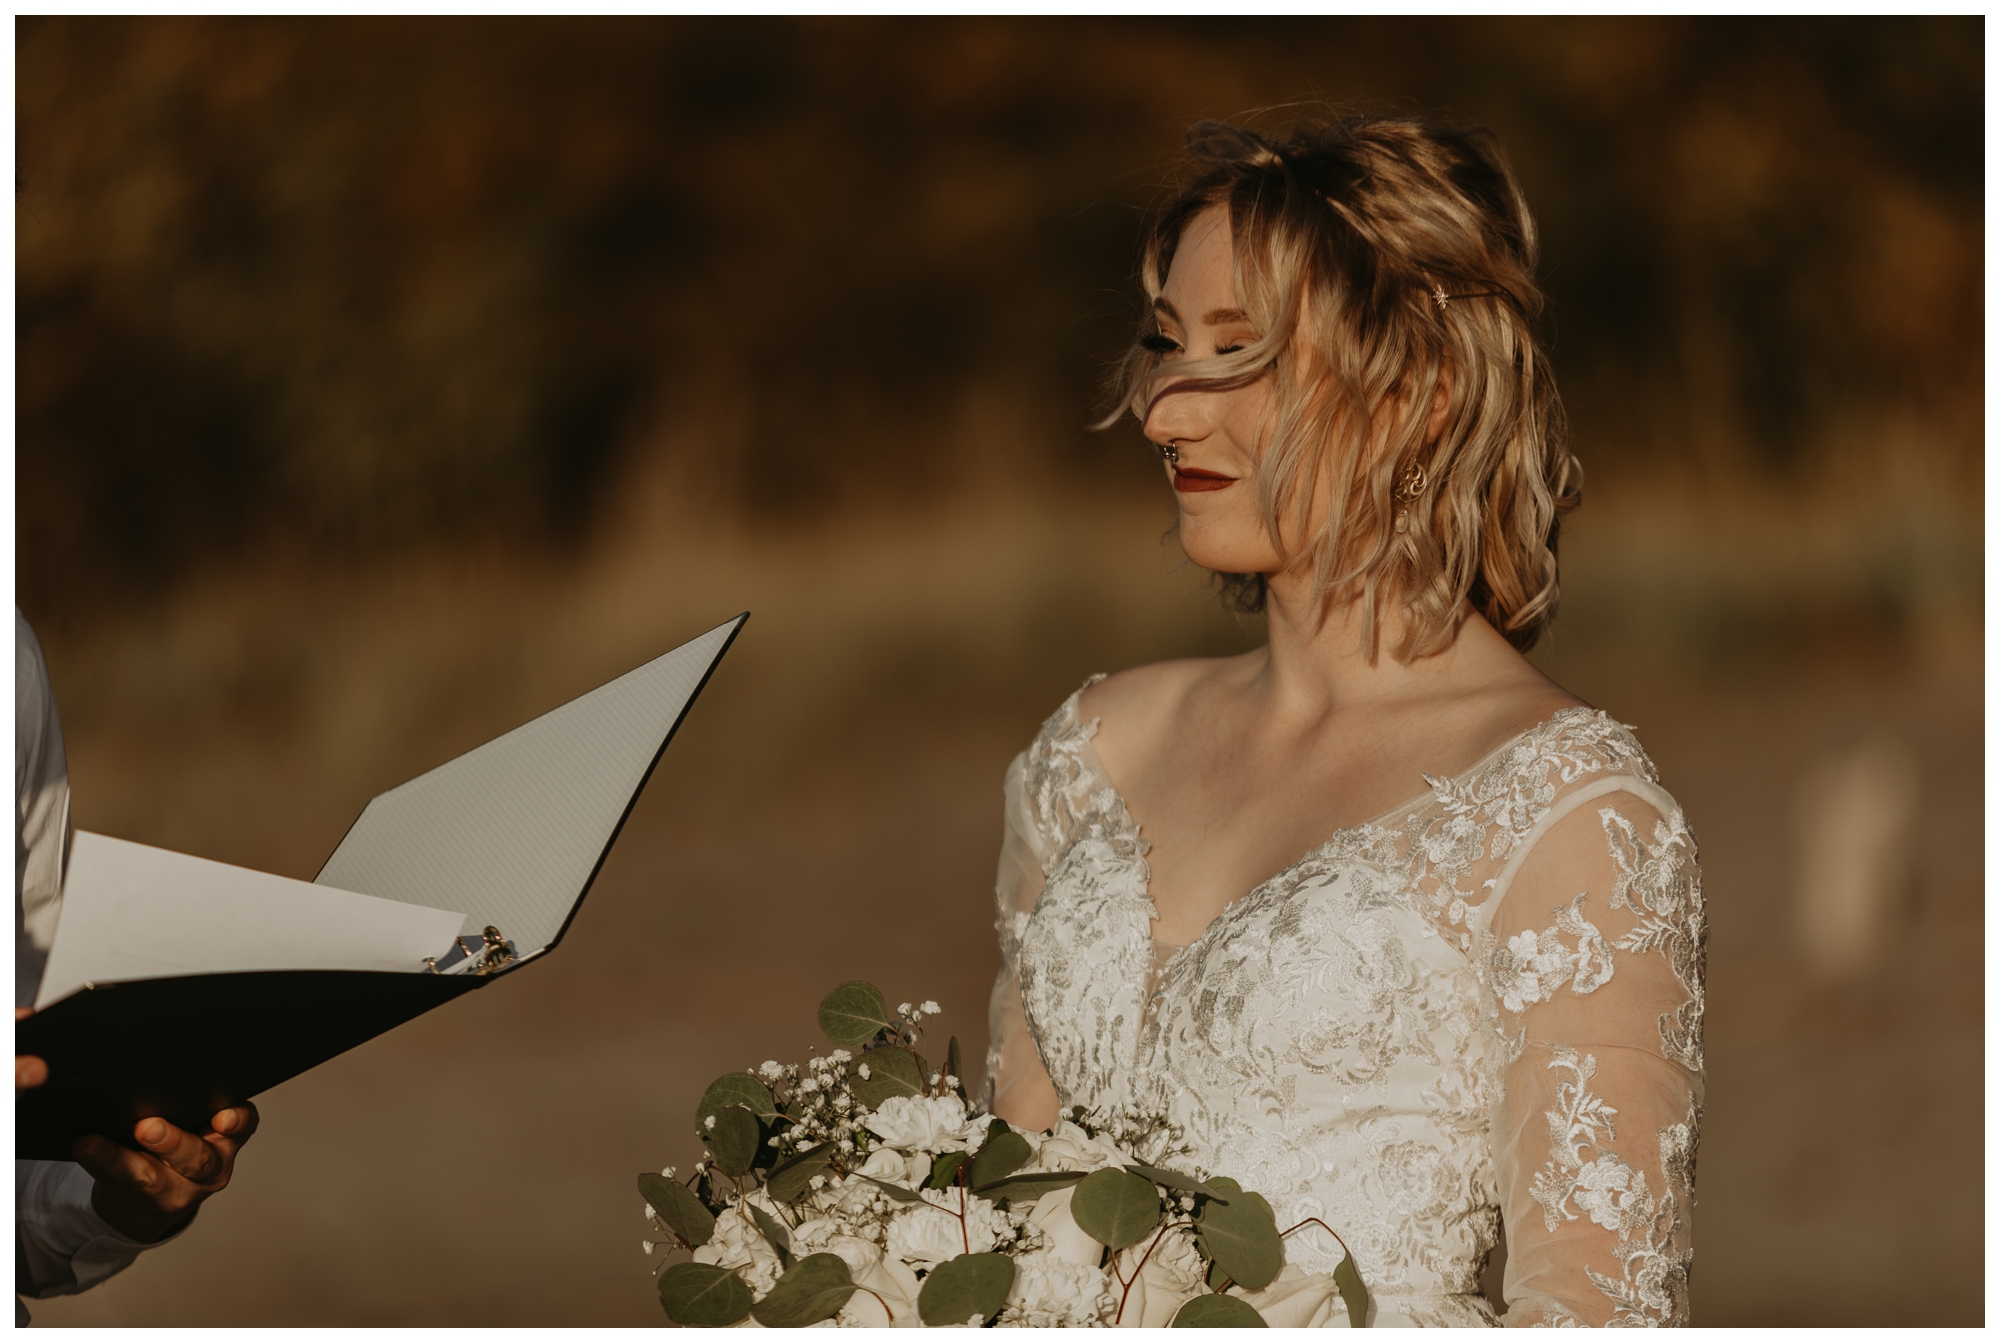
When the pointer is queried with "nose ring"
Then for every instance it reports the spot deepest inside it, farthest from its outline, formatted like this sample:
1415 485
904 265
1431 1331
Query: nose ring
1171 453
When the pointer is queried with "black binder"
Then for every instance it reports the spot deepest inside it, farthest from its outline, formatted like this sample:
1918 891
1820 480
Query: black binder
486 858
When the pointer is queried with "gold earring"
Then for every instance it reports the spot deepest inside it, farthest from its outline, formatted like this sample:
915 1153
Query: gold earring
1408 490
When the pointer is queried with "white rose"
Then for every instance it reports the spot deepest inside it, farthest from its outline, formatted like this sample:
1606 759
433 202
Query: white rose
1070 1148
1176 1261
1172 1276
887 1296
884 1163
737 1244
1296 1299
824 1235
1065 1239
931 1123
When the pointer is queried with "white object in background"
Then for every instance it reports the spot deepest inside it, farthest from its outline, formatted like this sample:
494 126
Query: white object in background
1854 817
131 911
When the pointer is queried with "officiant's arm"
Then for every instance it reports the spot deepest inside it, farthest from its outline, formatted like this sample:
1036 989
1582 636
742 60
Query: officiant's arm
1017 1085
1598 973
78 1223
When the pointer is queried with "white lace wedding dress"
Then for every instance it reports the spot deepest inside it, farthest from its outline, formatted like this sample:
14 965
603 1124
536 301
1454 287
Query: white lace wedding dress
1485 1004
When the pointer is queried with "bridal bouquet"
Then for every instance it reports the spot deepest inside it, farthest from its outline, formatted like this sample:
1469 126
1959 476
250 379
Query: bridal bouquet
861 1189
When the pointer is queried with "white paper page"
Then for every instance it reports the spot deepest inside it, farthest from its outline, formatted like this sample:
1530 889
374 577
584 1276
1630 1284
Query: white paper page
130 911
510 832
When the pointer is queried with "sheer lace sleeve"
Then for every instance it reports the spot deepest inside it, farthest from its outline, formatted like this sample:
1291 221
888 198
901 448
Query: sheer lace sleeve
1017 1085
1596 964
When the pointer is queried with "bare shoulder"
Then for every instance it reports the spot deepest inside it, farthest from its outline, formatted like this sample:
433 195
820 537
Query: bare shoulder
1130 705
1499 713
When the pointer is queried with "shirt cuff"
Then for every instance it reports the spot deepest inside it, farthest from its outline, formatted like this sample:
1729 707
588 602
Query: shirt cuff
64 1245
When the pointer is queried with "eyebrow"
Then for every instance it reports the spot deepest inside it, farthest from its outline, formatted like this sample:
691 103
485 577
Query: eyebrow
1220 317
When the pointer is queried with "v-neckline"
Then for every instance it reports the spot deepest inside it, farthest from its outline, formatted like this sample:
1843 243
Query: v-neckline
1140 845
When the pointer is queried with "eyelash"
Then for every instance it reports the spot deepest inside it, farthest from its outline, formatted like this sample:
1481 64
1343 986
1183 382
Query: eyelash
1158 344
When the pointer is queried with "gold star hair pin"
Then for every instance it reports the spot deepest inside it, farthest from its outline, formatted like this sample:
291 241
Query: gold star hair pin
1443 300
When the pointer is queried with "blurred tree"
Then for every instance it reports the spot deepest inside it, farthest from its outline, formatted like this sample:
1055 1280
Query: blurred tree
357 285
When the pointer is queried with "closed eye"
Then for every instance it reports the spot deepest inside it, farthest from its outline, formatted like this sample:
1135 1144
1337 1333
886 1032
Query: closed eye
1159 344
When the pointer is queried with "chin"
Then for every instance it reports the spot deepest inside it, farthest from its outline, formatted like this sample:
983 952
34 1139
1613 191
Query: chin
1227 549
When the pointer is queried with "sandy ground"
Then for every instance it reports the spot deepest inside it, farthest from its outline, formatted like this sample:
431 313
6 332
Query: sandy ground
831 812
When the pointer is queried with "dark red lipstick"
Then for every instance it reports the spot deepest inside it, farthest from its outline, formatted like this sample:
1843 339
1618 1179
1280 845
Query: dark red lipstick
1194 480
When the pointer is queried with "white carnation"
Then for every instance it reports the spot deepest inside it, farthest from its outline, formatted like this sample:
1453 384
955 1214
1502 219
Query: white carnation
927 1123
931 1232
1053 1293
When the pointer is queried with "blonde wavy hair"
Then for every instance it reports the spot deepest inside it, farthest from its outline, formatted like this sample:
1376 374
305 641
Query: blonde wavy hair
1381 259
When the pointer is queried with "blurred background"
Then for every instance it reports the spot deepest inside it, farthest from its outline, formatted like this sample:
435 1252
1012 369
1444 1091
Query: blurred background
382 384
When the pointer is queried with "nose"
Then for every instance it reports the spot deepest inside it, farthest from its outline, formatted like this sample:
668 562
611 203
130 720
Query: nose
1176 415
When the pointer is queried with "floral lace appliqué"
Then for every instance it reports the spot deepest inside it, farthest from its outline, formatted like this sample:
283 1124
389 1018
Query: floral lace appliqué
1529 967
1661 884
1480 817
1583 1177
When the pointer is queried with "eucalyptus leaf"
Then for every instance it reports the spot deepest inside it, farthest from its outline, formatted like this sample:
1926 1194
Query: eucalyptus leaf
813 1289
1028 1186
1173 1179
944 1170
1218 1312
742 1089
894 1191
1348 1279
1001 1156
853 1013
781 1239
733 1141
792 1177
678 1208
892 1072
1241 1236
1115 1207
705 1296
967 1287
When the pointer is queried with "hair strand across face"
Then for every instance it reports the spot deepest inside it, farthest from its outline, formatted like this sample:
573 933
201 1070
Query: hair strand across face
1381 260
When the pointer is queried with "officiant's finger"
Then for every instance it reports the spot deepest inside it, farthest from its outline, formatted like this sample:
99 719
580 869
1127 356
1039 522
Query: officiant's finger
236 1123
108 1160
29 1071
184 1153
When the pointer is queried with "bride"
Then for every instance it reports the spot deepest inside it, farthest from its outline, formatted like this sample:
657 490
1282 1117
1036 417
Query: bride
1396 930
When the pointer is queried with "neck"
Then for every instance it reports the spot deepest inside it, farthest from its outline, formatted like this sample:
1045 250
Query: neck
1322 657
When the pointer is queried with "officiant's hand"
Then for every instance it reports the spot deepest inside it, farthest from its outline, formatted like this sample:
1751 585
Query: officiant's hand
29 1071
147 1195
